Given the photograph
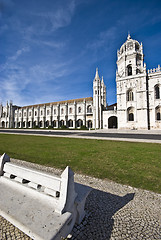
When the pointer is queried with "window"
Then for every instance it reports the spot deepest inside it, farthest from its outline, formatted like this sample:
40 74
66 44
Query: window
158 116
19 114
62 111
130 113
54 123
54 111
40 123
29 113
47 112
70 110
136 46
79 110
129 70
158 113
79 123
89 109
41 112
35 113
24 114
89 124
70 123
131 117
61 123
157 92
130 95
47 123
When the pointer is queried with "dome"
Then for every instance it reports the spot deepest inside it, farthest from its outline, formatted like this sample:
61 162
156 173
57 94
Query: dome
130 46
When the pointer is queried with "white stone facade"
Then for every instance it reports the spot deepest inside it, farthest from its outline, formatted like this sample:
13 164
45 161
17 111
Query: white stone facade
138 100
70 113
138 90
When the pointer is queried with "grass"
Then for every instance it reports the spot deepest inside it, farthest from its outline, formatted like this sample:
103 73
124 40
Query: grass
135 164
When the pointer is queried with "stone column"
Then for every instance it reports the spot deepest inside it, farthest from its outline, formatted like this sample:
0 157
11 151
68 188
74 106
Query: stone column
66 114
84 113
44 117
51 115
58 115
75 114
27 117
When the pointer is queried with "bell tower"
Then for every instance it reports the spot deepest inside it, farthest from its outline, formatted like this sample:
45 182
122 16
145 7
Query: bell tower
99 100
131 86
130 58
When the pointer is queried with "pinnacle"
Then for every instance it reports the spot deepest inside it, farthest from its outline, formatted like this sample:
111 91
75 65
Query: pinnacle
97 75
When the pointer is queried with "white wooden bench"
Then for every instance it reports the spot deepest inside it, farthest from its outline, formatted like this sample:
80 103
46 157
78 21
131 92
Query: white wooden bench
41 205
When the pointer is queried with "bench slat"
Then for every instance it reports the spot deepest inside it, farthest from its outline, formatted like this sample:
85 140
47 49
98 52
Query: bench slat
37 177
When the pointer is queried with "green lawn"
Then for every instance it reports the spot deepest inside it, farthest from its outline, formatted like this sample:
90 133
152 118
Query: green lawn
135 164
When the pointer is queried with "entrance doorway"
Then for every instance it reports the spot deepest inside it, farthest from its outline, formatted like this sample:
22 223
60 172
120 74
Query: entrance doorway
112 122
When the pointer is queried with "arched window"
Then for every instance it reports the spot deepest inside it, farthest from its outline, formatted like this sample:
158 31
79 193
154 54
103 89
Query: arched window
62 111
54 123
61 123
89 109
130 113
89 123
47 123
130 95
131 117
79 110
158 116
40 123
70 123
158 113
137 46
34 124
70 110
129 70
157 92
79 123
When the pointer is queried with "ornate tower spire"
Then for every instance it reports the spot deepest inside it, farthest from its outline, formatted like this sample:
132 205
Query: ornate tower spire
129 36
97 75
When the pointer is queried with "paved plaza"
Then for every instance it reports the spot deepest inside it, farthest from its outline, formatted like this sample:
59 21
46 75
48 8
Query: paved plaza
152 136
114 211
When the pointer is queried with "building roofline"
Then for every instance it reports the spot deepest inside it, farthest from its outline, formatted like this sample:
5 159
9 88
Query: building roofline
60 102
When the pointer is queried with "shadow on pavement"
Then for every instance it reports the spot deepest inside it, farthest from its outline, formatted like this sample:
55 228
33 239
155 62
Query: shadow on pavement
100 208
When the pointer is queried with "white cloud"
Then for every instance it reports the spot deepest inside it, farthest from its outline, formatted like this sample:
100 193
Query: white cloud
104 38
22 82
19 53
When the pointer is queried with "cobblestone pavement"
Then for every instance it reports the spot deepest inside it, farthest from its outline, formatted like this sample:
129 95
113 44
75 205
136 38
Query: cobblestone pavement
114 211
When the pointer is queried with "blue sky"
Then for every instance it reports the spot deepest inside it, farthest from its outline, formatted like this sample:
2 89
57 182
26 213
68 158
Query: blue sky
49 49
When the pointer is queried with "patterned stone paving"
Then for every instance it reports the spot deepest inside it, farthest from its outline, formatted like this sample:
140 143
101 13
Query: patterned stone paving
114 212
